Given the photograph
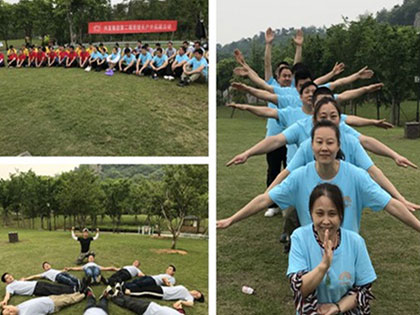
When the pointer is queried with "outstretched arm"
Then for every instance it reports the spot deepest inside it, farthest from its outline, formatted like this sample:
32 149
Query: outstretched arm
255 205
298 40
112 268
375 146
73 236
280 177
336 70
363 73
268 68
261 94
379 177
73 268
356 121
261 111
32 277
398 210
6 299
351 94
264 146
96 235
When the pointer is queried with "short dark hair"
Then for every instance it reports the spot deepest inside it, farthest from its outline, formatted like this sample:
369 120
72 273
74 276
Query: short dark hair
101 44
91 254
332 192
185 42
201 298
170 42
321 90
45 262
183 48
302 75
323 101
173 267
127 50
306 84
197 42
157 44
329 124
299 67
145 46
198 51
282 69
3 277
159 50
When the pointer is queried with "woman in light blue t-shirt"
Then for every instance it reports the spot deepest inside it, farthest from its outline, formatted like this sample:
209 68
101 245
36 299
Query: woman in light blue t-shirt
330 271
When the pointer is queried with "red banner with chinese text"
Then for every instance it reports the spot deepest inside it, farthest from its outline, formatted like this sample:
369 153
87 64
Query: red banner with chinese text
140 26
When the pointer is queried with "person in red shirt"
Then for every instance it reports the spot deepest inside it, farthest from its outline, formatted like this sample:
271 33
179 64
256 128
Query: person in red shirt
21 59
41 57
62 55
71 60
52 58
12 60
83 58
32 57
1 60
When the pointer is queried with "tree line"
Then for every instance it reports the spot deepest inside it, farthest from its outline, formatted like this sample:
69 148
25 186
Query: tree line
393 52
66 21
81 195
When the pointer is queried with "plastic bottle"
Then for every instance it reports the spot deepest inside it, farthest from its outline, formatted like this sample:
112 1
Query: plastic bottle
248 290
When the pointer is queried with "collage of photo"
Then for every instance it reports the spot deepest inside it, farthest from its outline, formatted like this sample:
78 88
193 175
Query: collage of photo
166 157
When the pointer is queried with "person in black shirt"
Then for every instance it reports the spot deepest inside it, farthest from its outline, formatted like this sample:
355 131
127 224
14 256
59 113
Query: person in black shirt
84 244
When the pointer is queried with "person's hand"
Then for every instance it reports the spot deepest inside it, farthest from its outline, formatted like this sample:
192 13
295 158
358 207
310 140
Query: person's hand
382 123
125 69
239 86
223 224
177 305
365 73
328 252
298 39
187 72
97 229
338 68
269 36
22 279
72 228
3 303
410 205
327 309
239 57
241 71
239 159
404 162
238 106
66 268
137 72
374 87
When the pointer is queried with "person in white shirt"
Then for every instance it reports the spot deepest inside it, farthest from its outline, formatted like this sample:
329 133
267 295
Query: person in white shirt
126 273
166 279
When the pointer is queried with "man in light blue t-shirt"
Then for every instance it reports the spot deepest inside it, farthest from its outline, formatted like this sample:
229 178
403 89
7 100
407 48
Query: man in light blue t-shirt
127 63
175 71
159 64
194 69
143 63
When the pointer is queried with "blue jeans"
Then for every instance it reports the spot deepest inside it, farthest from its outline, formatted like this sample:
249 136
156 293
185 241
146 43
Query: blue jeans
93 272
67 279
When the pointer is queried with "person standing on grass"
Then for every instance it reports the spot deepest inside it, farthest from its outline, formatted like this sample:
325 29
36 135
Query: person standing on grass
54 275
71 61
127 63
329 270
21 59
93 270
83 57
44 305
159 64
143 62
37 288
164 279
194 69
84 241
176 68
126 273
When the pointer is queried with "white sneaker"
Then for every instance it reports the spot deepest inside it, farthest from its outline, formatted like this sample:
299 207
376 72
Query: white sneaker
170 78
88 68
166 77
271 212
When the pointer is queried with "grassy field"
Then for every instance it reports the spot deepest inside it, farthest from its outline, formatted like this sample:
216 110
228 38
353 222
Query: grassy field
249 253
68 112
24 258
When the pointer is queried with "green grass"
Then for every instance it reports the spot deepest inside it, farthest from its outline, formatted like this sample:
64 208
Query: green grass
68 112
24 258
249 252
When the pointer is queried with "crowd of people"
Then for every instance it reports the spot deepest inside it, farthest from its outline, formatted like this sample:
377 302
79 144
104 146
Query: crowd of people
188 63
126 287
326 182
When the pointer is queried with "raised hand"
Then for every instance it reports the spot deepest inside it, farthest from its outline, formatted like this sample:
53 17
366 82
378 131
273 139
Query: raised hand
298 39
328 252
238 106
269 36
239 86
404 162
382 123
374 87
241 71
365 73
239 159
338 68
223 224
239 57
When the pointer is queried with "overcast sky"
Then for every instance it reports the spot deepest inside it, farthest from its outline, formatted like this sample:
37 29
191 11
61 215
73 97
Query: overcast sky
47 169
237 19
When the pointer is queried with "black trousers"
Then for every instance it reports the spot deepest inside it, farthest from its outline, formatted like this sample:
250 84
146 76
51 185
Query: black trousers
153 291
121 275
275 159
45 289
2 64
146 281
135 305
12 63
161 72
129 70
91 302
73 65
175 73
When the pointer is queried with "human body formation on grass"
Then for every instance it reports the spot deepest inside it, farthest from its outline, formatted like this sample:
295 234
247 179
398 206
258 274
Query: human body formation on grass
329 268
188 63
126 287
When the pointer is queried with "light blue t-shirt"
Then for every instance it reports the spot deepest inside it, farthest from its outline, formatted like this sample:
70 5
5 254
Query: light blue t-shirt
103 56
287 90
95 55
128 60
273 82
198 63
358 188
159 61
350 146
145 58
272 126
350 266
179 58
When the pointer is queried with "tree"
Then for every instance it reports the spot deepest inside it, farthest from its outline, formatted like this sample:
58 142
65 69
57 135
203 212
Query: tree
116 192
7 20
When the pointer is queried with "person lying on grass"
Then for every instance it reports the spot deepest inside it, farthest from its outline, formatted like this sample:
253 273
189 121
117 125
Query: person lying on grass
165 279
126 273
